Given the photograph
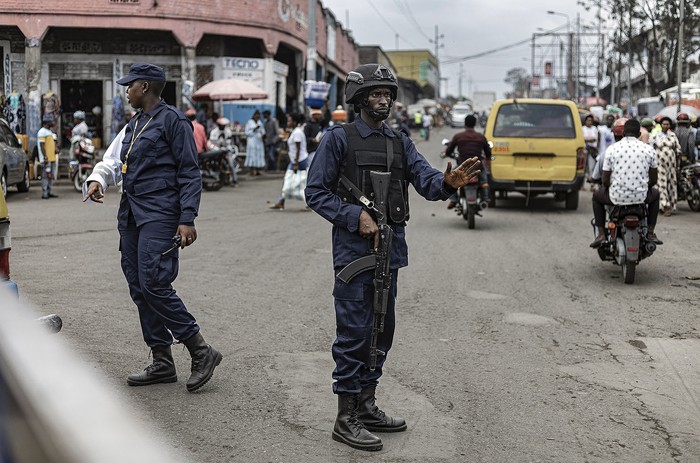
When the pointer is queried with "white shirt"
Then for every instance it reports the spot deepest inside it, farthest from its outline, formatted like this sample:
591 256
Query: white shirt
80 129
629 160
605 138
591 133
427 120
297 135
43 132
109 170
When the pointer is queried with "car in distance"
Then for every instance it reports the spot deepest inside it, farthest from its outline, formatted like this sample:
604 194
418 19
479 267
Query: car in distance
14 163
458 113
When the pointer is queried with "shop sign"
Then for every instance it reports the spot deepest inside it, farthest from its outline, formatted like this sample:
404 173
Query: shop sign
147 48
78 46
280 68
248 64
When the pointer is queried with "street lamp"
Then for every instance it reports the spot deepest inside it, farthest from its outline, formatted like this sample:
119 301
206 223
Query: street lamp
568 20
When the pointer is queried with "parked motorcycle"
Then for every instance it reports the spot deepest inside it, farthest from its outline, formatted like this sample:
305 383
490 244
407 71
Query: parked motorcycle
83 160
470 198
626 241
689 185
219 166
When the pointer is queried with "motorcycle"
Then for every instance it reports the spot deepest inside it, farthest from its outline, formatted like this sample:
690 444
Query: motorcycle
219 166
470 198
83 161
626 242
689 185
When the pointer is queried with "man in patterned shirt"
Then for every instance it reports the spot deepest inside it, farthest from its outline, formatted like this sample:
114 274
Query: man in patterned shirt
630 171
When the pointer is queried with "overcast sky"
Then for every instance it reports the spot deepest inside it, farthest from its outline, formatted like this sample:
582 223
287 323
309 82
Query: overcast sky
469 27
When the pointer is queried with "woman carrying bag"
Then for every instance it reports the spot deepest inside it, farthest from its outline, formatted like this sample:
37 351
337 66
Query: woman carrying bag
295 176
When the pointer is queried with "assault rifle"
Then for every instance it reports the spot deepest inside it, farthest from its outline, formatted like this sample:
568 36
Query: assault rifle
378 261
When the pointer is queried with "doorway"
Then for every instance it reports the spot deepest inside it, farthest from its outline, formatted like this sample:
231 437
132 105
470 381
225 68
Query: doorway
81 95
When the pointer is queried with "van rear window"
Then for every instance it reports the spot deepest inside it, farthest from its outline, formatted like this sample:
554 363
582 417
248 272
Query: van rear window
528 120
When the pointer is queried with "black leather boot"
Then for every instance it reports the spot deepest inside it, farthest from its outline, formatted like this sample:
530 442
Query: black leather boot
373 418
349 430
162 370
204 359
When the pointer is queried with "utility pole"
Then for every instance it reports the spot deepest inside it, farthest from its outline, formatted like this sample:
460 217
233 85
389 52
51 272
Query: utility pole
577 91
311 47
438 45
629 66
680 54
570 68
600 57
461 72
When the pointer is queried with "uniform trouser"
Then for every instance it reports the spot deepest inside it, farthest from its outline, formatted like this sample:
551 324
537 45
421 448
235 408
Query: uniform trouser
150 276
354 317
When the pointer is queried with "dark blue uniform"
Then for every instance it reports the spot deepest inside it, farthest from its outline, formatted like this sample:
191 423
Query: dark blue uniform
161 189
353 301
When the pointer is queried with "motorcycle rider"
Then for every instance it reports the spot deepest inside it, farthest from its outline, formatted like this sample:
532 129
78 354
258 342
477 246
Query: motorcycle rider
686 137
470 143
630 171
80 128
200 133
222 133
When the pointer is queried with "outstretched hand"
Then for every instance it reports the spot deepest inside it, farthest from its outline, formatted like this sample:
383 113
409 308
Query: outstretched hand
94 192
463 173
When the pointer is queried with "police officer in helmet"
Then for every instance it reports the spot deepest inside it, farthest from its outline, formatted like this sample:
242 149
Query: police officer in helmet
352 151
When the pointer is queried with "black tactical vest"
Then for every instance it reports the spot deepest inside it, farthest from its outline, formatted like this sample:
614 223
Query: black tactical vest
367 154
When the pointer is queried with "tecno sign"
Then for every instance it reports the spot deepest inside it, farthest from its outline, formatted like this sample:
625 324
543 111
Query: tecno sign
248 64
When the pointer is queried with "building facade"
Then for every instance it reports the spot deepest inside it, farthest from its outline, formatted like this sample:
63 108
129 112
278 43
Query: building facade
417 65
77 51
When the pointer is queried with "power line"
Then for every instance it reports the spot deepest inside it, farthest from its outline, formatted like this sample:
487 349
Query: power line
495 50
389 24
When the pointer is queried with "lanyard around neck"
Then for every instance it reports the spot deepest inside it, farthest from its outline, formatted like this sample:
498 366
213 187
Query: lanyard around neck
133 140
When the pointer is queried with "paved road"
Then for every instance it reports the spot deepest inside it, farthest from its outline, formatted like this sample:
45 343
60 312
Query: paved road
514 341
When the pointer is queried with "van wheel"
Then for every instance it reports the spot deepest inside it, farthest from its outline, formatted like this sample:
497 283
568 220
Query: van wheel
572 200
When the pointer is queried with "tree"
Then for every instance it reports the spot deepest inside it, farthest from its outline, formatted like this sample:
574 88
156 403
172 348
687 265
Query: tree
519 79
650 28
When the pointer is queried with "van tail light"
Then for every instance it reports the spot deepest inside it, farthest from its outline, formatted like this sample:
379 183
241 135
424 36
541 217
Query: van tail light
631 222
580 159
5 263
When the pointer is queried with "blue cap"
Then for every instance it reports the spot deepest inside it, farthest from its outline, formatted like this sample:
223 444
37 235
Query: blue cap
143 71
47 118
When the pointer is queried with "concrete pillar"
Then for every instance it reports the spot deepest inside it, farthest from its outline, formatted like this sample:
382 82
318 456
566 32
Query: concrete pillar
32 65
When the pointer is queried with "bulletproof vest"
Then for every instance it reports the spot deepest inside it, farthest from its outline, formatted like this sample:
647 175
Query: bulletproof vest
367 154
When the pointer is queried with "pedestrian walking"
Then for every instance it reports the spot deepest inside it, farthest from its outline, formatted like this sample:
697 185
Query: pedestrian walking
590 137
668 152
161 188
255 149
298 156
427 123
272 139
46 148
344 159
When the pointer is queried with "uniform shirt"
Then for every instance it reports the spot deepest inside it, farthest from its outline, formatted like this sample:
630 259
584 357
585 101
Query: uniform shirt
46 135
323 177
469 143
629 160
162 179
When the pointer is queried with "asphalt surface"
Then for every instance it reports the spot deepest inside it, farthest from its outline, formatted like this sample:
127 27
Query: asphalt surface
514 341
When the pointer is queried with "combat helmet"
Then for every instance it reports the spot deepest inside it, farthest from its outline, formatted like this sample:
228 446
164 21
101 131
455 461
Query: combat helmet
368 76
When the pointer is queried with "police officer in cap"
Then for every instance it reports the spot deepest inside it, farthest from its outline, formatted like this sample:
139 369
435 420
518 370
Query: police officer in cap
161 188
353 150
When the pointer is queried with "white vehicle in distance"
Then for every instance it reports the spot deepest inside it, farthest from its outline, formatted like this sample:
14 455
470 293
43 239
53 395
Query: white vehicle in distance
459 112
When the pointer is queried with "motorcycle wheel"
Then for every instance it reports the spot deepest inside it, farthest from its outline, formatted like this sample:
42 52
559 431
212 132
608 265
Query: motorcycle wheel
77 184
694 198
471 217
628 270
464 207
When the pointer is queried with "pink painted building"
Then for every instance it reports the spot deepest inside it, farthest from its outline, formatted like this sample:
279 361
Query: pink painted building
77 50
